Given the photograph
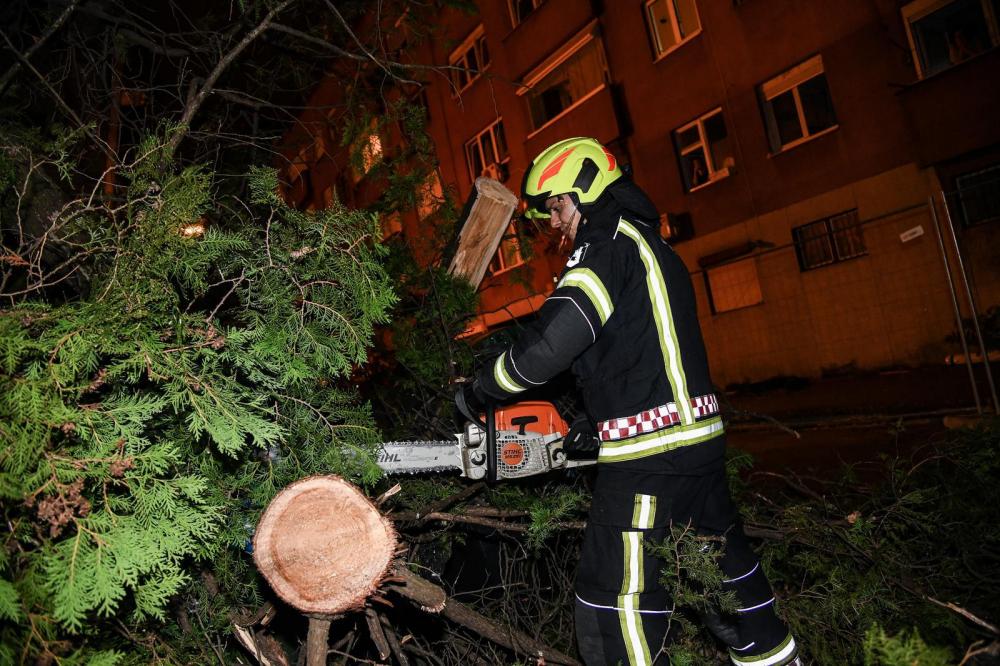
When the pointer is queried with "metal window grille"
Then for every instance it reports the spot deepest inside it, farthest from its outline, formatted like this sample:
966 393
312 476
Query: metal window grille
829 241
976 199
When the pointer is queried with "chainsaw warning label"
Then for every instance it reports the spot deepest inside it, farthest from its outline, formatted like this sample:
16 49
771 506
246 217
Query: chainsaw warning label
512 454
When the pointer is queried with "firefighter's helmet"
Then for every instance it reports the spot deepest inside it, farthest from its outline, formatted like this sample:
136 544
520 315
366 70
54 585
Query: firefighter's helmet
580 166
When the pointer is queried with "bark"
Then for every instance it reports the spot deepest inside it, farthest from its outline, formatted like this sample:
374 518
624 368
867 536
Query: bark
317 642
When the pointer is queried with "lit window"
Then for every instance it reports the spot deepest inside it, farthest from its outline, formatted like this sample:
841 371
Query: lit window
733 286
704 150
371 153
943 33
469 60
487 154
430 195
520 9
671 23
977 197
576 72
366 152
508 254
797 105
830 240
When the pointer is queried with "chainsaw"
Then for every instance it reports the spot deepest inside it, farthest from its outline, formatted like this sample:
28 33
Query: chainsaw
512 442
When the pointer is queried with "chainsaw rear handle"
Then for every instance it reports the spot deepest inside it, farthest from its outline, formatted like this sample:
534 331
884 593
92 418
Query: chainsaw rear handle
491 442
489 427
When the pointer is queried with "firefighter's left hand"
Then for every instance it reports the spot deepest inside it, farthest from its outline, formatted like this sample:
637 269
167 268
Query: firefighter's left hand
581 442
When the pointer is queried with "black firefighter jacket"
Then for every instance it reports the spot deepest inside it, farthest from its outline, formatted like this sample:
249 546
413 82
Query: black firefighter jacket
623 316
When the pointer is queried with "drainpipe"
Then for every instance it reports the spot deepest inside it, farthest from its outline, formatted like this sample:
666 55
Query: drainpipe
972 307
954 303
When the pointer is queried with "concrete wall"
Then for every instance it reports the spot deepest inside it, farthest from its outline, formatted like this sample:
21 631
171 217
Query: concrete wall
890 307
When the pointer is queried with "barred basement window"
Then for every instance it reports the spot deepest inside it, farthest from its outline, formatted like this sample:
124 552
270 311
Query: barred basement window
796 105
487 155
830 240
469 60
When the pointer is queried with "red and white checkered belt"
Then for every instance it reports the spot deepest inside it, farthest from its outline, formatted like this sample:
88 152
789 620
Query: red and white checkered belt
654 419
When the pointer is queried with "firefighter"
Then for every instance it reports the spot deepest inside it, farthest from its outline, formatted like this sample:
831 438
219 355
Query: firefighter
623 317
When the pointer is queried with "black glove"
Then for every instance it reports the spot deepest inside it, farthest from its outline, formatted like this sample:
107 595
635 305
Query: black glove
471 401
581 442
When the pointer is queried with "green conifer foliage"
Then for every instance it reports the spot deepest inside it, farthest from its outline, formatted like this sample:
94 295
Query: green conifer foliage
194 361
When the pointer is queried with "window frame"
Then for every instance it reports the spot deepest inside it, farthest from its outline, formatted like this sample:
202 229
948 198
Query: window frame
714 174
571 47
791 80
830 236
514 20
960 195
919 9
654 39
475 41
509 237
489 129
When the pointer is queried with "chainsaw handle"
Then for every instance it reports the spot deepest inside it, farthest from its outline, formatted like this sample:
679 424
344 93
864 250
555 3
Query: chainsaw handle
491 442
466 411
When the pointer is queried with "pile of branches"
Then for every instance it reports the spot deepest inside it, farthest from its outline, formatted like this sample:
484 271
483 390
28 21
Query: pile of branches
892 556
889 562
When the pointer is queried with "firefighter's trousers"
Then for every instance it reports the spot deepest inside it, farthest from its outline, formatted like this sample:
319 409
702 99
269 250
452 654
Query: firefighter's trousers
623 611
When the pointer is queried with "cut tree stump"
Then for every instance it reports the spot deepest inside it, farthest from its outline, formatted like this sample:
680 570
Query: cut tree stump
324 548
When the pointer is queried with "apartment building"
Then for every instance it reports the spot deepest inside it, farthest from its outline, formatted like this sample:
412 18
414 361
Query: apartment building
801 153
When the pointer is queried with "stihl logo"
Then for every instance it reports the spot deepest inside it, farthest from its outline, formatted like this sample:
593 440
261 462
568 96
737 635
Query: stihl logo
512 454
384 457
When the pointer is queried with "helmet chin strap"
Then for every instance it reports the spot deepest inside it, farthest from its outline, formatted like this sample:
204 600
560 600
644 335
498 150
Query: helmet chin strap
573 226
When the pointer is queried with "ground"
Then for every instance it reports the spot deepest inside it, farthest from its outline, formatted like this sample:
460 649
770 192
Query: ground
849 418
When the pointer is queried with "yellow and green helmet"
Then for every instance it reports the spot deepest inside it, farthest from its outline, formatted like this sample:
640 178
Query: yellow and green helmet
581 166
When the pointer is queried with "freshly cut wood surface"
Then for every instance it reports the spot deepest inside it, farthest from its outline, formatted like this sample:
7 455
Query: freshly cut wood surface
323 546
489 211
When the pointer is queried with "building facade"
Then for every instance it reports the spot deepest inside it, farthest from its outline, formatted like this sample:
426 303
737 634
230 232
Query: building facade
801 153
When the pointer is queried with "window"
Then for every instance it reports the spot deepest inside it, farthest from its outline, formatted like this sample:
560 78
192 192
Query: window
487 155
943 33
520 9
703 150
577 71
797 105
733 286
469 60
366 152
977 196
671 23
371 151
508 255
430 195
828 241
